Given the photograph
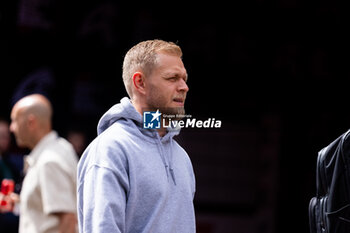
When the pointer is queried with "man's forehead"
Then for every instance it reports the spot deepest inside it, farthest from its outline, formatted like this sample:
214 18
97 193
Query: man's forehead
18 108
174 71
170 61
168 58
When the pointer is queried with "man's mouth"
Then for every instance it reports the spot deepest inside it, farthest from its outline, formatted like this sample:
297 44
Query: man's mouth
179 100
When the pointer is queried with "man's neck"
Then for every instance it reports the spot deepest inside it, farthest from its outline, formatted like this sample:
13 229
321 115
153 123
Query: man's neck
162 131
38 138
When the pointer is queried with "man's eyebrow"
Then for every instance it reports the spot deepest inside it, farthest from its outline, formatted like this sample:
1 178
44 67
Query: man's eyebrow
170 73
175 74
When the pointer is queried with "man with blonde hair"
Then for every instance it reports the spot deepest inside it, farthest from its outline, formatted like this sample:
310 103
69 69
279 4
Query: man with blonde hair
48 196
135 179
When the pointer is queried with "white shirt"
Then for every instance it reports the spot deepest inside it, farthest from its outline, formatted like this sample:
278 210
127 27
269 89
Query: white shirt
49 185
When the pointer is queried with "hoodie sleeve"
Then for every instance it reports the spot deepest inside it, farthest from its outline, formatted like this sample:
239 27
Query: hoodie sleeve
104 202
102 195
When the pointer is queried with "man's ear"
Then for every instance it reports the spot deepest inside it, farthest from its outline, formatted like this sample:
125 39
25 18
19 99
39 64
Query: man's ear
31 121
138 80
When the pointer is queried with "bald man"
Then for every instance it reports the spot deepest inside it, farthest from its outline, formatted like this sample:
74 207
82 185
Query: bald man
48 195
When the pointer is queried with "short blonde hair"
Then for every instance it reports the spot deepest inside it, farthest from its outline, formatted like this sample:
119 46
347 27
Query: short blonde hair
143 57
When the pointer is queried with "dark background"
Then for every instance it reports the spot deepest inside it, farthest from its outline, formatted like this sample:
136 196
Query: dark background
274 72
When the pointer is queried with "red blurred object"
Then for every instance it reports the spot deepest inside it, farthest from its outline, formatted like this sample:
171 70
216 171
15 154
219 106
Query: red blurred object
7 187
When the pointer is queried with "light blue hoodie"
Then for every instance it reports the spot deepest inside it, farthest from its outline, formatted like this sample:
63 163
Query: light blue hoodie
132 180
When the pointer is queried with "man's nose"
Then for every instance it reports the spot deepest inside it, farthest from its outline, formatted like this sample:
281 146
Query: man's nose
12 127
183 86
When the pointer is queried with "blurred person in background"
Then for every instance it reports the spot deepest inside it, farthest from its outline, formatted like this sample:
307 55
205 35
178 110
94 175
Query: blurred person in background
10 168
132 179
11 159
48 196
78 140
6 170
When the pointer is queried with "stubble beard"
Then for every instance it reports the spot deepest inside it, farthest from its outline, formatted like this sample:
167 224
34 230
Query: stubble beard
158 103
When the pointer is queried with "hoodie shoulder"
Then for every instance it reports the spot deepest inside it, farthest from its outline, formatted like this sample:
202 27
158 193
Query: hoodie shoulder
107 149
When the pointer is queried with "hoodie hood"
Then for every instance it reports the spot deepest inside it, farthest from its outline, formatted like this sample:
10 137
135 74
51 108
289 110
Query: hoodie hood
124 110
